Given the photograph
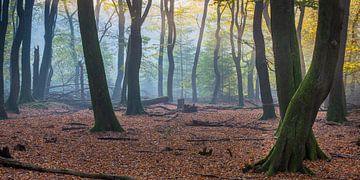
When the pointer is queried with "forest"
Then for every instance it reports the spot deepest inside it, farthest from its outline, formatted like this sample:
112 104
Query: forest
180 89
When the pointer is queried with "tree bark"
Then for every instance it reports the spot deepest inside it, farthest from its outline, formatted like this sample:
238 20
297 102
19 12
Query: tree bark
250 79
161 51
216 53
25 92
286 51
290 148
4 20
105 119
169 9
13 100
261 64
337 99
121 50
298 32
197 53
134 106
51 8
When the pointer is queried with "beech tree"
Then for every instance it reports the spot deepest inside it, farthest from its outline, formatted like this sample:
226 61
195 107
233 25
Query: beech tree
120 10
286 52
51 9
25 92
134 106
219 13
13 99
197 53
4 20
295 132
236 9
261 64
161 50
105 119
169 9
337 99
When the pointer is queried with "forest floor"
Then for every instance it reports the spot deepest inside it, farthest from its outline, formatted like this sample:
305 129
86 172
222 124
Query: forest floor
167 147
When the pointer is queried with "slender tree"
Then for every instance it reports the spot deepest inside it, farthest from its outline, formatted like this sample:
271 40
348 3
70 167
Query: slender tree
4 20
25 92
169 9
13 100
105 119
72 43
51 9
134 106
250 79
290 148
197 53
161 50
236 54
219 13
337 99
36 66
120 10
261 64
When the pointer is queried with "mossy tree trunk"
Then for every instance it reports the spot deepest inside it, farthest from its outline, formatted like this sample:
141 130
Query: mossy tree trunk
105 119
287 59
121 50
169 9
25 92
4 20
337 99
261 64
197 53
290 148
216 53
134 106
13 100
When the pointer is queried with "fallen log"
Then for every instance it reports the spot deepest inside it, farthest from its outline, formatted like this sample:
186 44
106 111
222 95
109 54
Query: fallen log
209 140
117 139
159 100
19 165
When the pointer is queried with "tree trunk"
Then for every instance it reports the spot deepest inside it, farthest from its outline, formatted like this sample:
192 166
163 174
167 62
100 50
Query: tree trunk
4 20
134 106
72 43
51 8
261 65
25 93
266 15
290 148
251 65
216 54
257 87
36 66
235 11
121 49
197 53
169 9
337 99
161 51
298 32
82 88
286 52
12 102
105 119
